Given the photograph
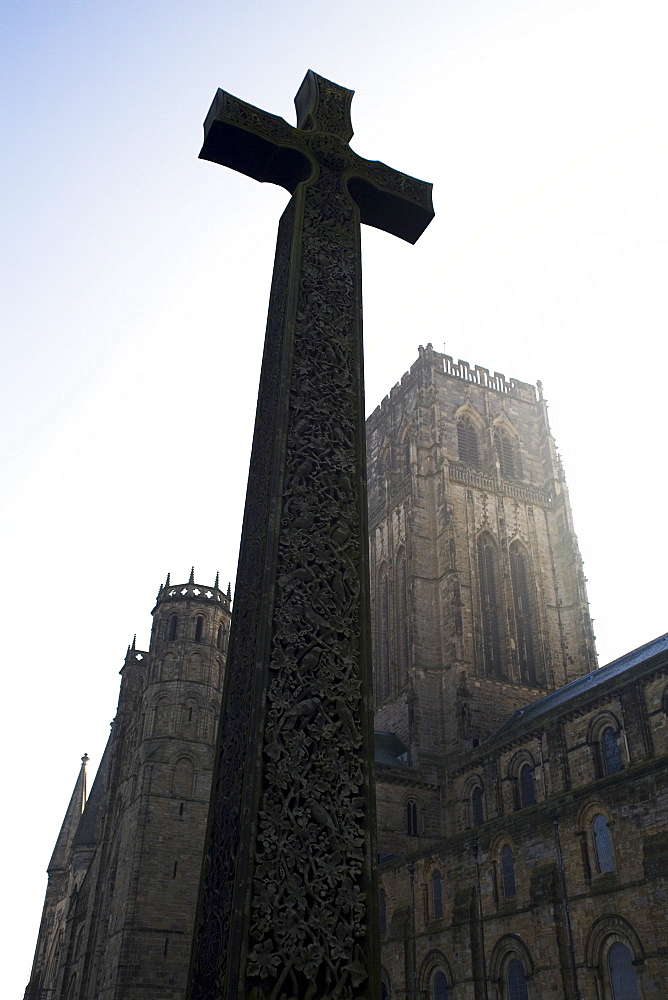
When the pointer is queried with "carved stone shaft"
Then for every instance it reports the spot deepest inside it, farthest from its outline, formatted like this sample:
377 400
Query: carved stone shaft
287 907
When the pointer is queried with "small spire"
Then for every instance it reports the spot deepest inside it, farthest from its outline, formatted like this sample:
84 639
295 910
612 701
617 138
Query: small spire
167 581
217 579
134 641
192 575
229 591
85 759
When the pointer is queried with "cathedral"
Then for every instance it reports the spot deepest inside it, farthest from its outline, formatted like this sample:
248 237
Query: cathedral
522 791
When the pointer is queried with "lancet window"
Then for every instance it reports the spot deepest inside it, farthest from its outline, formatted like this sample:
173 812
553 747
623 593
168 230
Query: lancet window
402 618
526 788
383 634
172 629
491 641
199 627
508 872
605 861
412 818
519 573
437 894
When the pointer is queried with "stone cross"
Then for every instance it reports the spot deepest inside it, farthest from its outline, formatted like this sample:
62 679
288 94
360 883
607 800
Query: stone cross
288 894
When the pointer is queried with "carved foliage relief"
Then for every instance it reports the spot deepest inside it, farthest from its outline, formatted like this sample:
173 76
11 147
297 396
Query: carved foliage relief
308 928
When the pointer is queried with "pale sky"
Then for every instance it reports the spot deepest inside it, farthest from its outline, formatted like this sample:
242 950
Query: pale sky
136 283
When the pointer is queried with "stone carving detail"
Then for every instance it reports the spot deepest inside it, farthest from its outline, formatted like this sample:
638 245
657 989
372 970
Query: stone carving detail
307 924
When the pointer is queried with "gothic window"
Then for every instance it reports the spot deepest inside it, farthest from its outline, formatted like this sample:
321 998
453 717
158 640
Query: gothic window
382 911
439 986
491 642
477 812
526 787
402 619
219 637
199 626
623 980
605 861
412 818
405 455
508 872
522 600
452 552
610 756
437 894
467 442
506 453
383 675
384 995
516 982
173 627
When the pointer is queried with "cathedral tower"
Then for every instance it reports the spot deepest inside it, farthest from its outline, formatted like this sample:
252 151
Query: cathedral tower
478 596
131 907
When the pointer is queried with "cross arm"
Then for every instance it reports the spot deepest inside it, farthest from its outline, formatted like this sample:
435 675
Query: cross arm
391 201
263 146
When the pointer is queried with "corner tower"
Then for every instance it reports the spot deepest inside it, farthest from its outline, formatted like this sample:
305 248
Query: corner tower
130 923
478 596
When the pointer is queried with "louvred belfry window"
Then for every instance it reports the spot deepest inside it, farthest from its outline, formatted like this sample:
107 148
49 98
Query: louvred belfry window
523 615
467 442
491 643
506 453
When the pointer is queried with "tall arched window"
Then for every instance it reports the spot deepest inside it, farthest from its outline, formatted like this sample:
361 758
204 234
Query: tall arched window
199 626
467 442
412 818
491 642
506 453
526 787
439 986
523 614
477 811
610 756
383 634
173 627
405 455
623 979
402 618
437 894
516 981
508 872
605 861
219 637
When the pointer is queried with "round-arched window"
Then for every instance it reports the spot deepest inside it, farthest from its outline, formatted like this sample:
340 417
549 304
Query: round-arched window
623 979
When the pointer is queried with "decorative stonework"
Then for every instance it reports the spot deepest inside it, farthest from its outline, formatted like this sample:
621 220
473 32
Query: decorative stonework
288 894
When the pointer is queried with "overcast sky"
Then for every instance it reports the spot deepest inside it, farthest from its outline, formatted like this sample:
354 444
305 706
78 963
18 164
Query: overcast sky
136 283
